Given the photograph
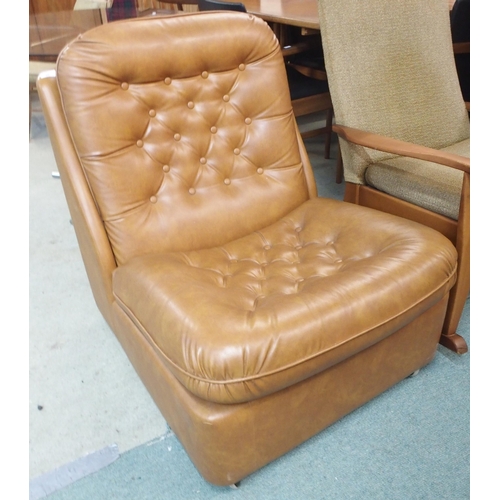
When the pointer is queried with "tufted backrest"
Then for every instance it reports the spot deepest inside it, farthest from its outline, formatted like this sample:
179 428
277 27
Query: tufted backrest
184 129
391 71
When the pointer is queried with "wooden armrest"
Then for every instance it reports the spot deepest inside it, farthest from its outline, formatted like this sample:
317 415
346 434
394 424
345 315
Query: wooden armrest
395 146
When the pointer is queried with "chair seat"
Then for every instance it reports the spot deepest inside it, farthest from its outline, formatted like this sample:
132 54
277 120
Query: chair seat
428 185
321 265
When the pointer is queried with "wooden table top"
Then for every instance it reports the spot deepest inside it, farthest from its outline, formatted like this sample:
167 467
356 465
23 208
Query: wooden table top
49 32
301 13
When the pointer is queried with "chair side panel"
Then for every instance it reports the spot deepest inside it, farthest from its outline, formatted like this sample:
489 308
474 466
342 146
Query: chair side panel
92 239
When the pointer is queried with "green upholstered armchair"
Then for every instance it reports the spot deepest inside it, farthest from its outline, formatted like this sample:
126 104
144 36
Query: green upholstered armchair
402 121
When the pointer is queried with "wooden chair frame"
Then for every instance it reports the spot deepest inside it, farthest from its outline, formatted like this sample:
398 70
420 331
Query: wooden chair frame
456 231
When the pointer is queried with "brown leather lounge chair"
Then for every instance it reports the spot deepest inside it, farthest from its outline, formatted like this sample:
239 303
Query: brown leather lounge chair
255 312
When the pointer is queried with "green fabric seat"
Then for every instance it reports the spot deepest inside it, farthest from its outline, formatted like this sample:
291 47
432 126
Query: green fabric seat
426 184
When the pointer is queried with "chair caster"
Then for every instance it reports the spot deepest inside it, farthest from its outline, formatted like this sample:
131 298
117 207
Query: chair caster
235 486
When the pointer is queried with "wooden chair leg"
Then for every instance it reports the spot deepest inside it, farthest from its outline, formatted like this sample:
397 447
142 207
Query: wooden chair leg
30 116
340 166
458 296
449 337
461 290
328 141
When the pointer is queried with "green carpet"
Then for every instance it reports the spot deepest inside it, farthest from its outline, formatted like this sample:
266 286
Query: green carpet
412 442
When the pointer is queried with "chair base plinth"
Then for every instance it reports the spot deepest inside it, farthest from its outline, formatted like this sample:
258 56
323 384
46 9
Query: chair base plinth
227 443
454 342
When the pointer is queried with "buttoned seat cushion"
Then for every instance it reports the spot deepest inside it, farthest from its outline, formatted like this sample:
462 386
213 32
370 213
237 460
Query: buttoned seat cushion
246 319
428 185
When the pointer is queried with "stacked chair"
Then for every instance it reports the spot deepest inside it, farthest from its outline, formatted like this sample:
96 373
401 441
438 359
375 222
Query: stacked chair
460 33
255 312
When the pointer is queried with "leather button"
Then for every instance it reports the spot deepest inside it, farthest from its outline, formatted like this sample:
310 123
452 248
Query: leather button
166 168
267 247
241 67
152 112
298 229
203 160
260 170
124 86
168 81
140 143
225 98
177 137
213 130
153 199
236 151
192 190
248 121
204 74
190 104
227 182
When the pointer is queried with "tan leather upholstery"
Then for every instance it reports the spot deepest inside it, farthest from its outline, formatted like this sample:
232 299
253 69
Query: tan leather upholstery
265 285
196 135
255 312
